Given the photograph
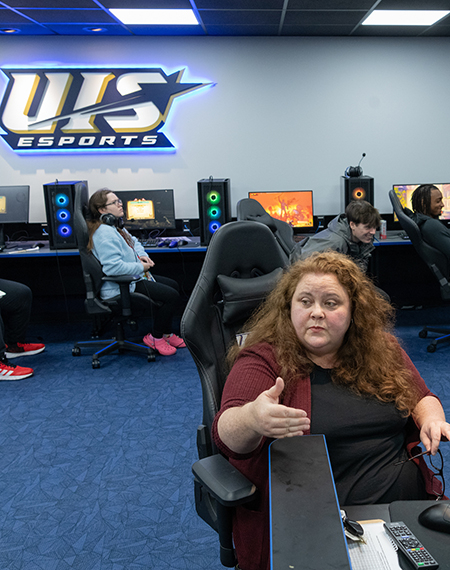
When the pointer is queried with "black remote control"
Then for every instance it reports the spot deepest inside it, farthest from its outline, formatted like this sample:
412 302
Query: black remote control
411 547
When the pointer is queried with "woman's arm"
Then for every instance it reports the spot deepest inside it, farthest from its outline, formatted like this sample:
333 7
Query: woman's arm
116 257
430 418
241 429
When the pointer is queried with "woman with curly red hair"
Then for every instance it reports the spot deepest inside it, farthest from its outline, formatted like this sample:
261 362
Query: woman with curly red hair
320 357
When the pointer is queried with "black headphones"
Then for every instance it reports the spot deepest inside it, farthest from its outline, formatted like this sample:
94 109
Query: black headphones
353 172
112 220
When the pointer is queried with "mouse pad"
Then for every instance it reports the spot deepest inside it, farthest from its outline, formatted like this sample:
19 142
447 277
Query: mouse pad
306 526
438 543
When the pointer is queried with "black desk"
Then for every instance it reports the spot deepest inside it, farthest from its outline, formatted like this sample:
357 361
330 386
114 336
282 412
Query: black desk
396 267
305 520
56 278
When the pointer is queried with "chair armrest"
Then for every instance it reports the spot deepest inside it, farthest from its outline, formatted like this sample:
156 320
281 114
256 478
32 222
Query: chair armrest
223 481
443 283
124 283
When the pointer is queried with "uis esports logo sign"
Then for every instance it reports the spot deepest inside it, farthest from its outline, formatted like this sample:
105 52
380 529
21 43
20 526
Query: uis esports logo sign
86 108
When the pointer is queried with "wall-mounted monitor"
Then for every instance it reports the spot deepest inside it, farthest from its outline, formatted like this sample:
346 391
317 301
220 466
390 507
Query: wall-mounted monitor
148 209
294 207
404 193
14 207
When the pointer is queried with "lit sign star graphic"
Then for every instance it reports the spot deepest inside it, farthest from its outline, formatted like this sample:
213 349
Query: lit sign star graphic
160 94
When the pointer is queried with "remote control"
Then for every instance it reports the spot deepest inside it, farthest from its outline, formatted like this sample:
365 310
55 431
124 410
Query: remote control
411 547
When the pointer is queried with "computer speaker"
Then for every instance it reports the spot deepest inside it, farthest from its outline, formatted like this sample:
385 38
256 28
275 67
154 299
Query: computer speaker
59 199
358 188
213 206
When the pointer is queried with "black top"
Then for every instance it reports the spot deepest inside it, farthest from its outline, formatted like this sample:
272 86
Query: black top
365 437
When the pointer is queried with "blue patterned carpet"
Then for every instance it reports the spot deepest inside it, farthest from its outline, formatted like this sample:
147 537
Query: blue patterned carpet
96 464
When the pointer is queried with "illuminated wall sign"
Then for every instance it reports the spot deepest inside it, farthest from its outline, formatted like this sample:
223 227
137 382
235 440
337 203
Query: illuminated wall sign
85 108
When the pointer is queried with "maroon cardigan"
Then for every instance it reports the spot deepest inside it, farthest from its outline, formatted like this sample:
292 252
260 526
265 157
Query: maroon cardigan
254 372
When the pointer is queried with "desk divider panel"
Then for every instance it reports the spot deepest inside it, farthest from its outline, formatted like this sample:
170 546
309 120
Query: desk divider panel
306 525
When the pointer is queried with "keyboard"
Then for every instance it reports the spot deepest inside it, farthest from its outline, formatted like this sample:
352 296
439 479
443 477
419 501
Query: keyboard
150 242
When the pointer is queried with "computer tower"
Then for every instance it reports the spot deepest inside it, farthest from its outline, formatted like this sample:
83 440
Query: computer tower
213 206
356 188
59 200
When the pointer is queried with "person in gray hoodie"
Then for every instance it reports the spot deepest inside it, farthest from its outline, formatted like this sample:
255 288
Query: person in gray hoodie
427 203
351 233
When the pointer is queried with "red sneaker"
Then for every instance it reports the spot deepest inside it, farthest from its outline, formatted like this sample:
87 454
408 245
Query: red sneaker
23 349
12 372
159 344
176 341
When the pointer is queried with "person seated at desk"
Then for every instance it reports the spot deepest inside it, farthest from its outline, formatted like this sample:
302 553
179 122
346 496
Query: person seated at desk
120 253
427 204
351 233
320 358
15 311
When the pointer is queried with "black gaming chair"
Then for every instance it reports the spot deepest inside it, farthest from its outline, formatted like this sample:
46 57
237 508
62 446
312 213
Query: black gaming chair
242 264
249 209
435 260
119 309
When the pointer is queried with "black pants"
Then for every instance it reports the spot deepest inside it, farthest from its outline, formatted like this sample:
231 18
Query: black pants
164 291
15 311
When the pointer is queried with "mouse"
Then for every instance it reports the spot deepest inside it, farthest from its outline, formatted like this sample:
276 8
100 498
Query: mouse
173 243
182 242
436 517
164 242
39 244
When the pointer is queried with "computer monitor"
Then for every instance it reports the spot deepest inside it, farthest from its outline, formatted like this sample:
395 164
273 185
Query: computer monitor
404 193
147 209
14 207
294 207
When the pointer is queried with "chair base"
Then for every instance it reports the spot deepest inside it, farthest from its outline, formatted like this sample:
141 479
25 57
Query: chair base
111 345
445 336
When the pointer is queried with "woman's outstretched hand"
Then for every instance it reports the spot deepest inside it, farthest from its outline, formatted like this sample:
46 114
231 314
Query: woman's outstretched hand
272 419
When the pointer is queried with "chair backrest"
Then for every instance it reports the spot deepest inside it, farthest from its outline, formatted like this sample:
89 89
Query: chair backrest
249 209
242 264
434 259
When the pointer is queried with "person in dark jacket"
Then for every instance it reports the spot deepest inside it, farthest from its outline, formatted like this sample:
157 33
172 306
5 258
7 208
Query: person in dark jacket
351 233
427 203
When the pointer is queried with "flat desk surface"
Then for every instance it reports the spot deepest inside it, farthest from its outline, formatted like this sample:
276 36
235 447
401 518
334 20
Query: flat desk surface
19 249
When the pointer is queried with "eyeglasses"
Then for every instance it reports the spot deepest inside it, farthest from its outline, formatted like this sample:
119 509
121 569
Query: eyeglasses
437 466
114 203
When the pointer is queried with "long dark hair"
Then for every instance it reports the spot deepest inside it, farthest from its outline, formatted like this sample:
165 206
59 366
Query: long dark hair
421 198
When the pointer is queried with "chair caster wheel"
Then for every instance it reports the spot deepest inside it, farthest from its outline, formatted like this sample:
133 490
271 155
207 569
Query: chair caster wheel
151 358
76 351
431 348
423 334
96 363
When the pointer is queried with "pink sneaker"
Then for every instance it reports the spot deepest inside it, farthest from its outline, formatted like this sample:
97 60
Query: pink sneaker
176 341
159 344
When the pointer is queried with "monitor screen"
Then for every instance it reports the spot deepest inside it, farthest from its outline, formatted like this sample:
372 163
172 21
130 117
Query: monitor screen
147 209
14 204
404 193
293 206
14 207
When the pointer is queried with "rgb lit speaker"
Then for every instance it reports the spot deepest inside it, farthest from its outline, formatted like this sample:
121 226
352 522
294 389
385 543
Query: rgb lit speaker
358 188
213 206
59 200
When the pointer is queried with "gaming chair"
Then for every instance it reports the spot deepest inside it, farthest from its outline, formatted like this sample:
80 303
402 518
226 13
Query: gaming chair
242 265
435 260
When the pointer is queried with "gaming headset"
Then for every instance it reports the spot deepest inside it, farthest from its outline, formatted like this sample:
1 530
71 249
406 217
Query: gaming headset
112 220
354 171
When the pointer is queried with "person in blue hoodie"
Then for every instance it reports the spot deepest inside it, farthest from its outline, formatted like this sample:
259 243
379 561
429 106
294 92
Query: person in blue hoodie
120 253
